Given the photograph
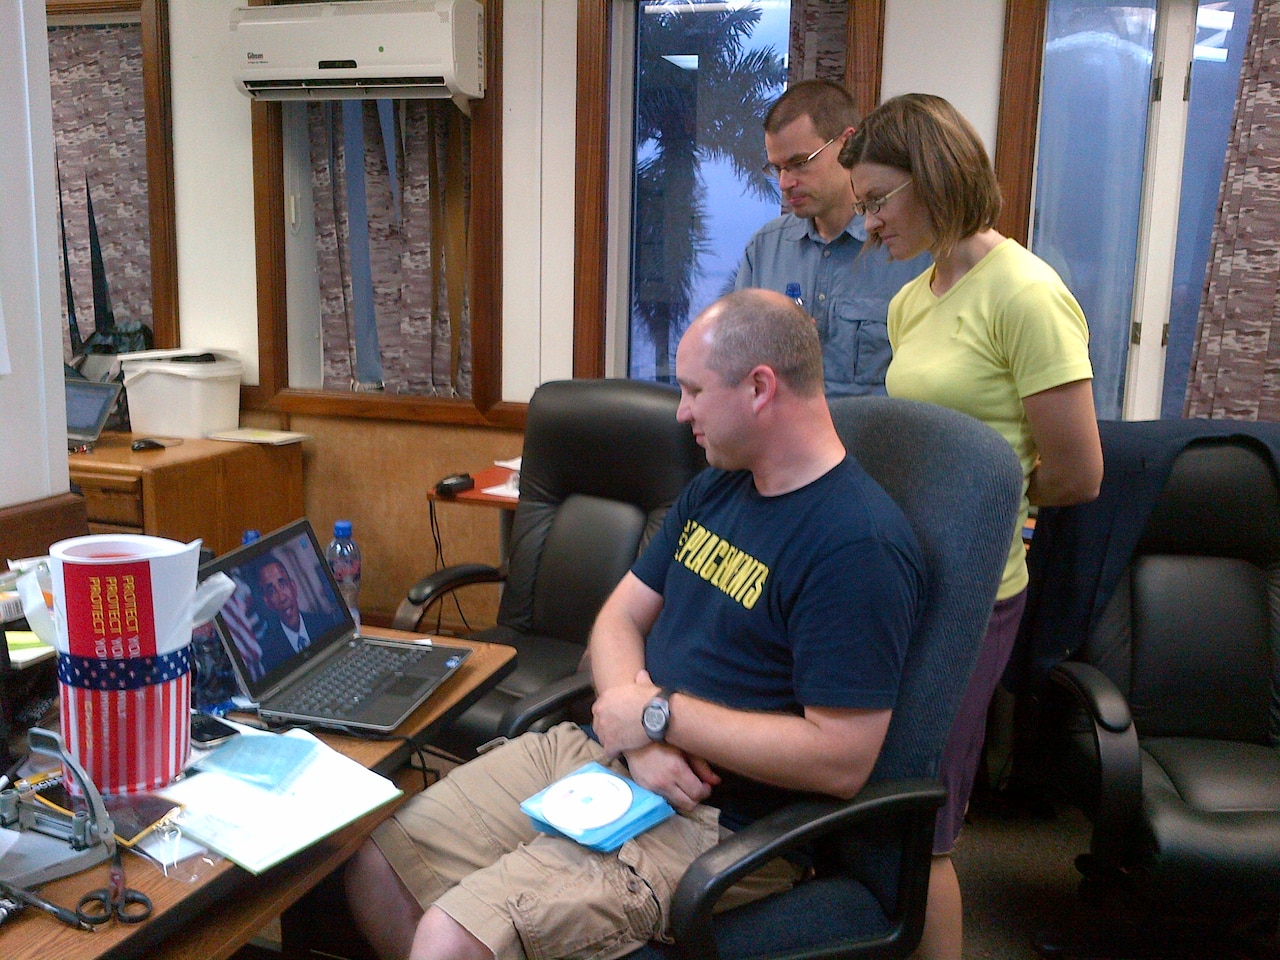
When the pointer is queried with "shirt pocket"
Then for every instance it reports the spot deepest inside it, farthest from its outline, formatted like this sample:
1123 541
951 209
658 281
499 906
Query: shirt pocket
856 348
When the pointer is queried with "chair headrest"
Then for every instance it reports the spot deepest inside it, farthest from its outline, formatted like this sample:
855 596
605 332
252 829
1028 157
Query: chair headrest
616 439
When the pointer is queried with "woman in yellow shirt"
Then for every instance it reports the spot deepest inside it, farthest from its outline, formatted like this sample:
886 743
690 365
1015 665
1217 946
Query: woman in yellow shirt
991 331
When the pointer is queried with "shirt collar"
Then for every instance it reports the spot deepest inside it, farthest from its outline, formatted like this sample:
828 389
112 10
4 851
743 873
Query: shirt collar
855 228
293 636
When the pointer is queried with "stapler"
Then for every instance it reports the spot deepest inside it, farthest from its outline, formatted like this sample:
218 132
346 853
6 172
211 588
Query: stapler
50 844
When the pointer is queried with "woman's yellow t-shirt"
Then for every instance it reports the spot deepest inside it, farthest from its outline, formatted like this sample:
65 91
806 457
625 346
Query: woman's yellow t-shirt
1009 328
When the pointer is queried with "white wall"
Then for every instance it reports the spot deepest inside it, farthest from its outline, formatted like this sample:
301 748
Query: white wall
32 413
213 185
539 59
957 56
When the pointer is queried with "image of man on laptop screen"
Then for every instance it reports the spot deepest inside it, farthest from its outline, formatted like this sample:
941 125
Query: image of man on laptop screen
289 628
266 616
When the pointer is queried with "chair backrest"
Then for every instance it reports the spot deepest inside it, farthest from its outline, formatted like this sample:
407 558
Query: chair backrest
603 460
1191 635
960 485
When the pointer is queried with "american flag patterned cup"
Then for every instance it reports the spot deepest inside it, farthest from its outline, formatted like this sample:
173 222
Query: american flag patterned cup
122 613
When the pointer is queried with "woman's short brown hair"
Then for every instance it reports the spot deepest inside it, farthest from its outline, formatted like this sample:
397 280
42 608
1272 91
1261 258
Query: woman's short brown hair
926 137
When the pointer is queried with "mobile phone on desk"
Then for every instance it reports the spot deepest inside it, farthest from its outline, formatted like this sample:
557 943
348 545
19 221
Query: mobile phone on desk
208 731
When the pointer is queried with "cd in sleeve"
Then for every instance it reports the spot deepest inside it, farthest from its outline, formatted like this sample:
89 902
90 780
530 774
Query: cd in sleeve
586 801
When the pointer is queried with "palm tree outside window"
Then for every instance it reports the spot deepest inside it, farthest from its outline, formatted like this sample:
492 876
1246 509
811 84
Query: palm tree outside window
705 75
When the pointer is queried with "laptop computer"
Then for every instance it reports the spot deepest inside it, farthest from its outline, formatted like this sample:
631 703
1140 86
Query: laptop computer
295 648
89 404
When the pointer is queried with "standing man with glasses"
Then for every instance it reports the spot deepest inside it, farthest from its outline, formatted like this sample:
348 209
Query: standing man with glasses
817 247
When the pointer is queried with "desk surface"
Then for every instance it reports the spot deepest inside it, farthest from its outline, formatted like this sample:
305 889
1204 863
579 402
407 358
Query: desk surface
488 477
216 915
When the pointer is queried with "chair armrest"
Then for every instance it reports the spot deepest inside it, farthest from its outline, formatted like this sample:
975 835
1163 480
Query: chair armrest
1119 772
555 696
713 873
1094 691
435 585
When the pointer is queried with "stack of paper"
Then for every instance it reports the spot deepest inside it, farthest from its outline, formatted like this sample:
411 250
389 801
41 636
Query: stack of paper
596 807
257 827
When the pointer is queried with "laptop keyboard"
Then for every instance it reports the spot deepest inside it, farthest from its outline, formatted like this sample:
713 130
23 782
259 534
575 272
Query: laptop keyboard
343 686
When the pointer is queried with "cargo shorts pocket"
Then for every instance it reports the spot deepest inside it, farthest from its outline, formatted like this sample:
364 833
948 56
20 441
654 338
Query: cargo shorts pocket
606 905
659 857
591 911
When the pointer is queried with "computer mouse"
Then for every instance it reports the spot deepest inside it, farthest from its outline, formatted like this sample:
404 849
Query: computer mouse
455 484
146 443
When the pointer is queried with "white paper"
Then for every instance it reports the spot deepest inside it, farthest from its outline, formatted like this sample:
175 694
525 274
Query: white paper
509 488
257 828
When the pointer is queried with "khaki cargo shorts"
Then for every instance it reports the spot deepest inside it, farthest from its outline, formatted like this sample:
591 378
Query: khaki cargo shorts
465 846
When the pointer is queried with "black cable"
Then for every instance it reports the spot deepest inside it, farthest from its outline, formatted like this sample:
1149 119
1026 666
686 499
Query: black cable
441 564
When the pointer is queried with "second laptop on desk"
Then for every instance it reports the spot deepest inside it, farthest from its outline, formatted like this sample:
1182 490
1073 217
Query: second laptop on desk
295 647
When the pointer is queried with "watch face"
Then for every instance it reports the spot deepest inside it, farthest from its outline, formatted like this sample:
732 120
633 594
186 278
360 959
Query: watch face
654 718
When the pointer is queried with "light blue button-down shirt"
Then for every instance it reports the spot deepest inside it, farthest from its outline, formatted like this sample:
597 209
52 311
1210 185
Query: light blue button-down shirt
845 288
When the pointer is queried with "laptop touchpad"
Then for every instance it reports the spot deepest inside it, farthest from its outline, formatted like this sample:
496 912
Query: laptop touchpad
404 687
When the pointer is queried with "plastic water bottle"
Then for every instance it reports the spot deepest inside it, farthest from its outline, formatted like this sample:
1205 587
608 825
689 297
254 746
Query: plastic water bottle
344 560
793 293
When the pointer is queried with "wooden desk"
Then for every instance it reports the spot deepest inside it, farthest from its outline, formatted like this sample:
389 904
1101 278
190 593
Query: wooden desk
213 917
212 489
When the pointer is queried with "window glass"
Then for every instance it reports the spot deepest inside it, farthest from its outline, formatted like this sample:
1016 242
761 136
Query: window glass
705 75
378 277
1093 129
99 126
1222 29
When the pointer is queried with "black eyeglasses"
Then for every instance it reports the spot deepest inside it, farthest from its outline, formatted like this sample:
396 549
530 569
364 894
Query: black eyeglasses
776 170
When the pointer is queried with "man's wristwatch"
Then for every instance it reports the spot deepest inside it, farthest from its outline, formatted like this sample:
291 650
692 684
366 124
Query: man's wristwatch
657 716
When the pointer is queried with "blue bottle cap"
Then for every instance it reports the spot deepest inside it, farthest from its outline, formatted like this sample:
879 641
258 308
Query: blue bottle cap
342 528
250 536
793 291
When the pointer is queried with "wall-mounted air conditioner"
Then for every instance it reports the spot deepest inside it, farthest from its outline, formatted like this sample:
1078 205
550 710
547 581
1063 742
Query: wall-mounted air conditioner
359 49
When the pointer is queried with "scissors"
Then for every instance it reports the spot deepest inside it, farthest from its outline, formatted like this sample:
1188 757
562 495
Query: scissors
114 900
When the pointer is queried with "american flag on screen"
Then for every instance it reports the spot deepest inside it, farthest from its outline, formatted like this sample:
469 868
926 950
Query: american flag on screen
127 721
244 625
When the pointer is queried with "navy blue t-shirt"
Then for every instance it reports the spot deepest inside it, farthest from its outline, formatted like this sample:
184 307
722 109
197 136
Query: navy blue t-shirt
778 603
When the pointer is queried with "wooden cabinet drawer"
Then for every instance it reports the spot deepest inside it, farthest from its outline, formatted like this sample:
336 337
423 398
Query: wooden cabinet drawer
112 499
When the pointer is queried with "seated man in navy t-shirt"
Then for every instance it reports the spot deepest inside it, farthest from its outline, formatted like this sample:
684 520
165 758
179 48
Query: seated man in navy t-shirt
751 656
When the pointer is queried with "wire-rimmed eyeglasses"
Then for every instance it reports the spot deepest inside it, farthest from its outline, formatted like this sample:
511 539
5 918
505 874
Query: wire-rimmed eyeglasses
862 207
776 170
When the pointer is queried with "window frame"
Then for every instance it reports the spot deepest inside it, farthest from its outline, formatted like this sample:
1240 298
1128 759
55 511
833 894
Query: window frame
486 407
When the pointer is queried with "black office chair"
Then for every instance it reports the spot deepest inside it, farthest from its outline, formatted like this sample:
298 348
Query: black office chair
602 462
1164 724
959 485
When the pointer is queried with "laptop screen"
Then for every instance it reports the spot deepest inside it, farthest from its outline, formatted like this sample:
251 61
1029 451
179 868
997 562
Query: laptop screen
89 404
285 610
